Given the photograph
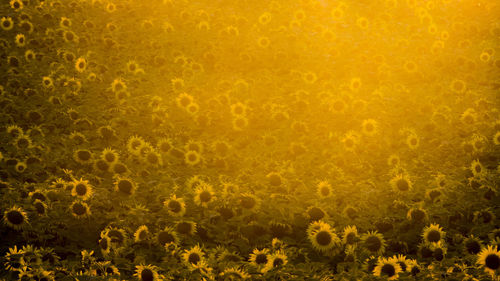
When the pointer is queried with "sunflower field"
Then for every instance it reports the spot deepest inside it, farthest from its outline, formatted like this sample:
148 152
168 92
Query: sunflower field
249 140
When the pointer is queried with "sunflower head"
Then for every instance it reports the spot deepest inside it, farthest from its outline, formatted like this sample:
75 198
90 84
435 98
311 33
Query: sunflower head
373 242
15 217
387 268
175 206
433 233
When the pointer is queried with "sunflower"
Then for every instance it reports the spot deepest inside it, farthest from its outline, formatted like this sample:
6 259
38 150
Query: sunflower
350 140
81 64
14 259
17 5
315 213
433 233
22 142
101 165
412 267
387 268
184 99
324 189
125 186
146 273
167 236
234 273
203 194
401 183
80 209
6 23
369 127
186 227
259 257
350 235
485 216
192 158
20 40
275 260
15 217
141 234
496 138
489 259
417 215
40 207
323 237
83 156
193 256
164 145
82 189
477 169
374 242
248 201
412 141
402 261
119 168
105 245
118 236
439 250
21 166
472 245
238 109
153 158
175 206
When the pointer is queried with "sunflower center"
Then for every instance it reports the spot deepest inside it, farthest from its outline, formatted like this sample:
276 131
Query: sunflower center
473 247
116 236
433 236
81 189
388 269
174 206
103 243
194 258
261 259
402 185
247 202
15 217
417 215
84 155
110 157
164 237
316 213
403 265
125 186
492 261
184 227
40 209
277 262
373 243
369 127
325 191
350 238
78 209
147 275
323 238
205 196
143 235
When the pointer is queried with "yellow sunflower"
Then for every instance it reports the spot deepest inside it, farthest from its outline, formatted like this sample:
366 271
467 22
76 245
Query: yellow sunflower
80 209
110 156
175 206
324 189
369 127
259 257
15 217
433 233
125 186
193 256
141 234
374 242
489 259
203 194
275 260
167 236
81 189
350 235
147 273
387 268
323 237
401 183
